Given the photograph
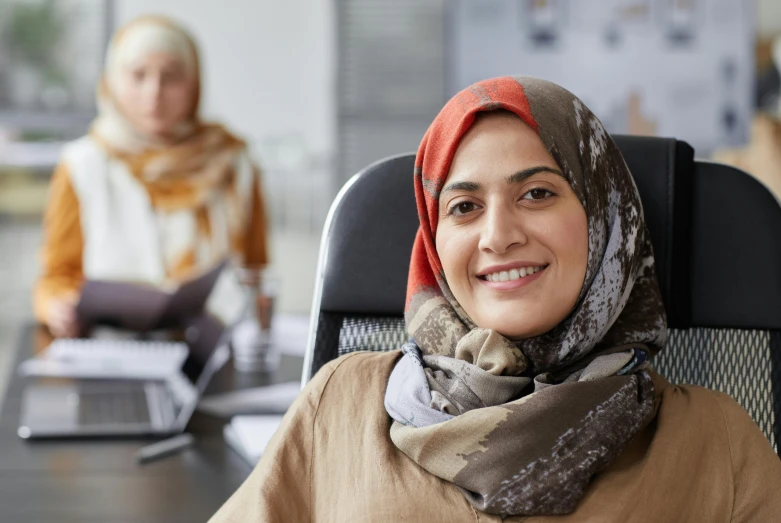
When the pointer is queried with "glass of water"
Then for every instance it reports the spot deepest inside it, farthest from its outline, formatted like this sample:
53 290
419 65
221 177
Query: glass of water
253 350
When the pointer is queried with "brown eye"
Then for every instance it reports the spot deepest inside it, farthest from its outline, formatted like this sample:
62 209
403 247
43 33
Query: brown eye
462 208
537 194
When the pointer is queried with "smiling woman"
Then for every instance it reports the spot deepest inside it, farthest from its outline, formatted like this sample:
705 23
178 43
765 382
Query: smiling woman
512 234
525 392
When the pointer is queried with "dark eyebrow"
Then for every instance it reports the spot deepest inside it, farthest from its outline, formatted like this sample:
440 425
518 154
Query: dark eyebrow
522 175
461 186
513 178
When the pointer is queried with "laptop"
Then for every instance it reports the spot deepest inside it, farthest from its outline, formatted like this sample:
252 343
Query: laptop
128 408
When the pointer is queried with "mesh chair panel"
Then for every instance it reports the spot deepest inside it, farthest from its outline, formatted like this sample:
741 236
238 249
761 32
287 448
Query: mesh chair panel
329 328
735 362
376 334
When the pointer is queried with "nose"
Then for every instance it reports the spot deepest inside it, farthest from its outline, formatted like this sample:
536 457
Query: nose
502 229
152 90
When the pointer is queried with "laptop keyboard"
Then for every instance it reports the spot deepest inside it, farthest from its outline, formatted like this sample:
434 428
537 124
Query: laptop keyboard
110 407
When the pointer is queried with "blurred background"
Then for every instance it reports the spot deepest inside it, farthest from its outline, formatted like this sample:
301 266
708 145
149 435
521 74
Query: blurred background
319 89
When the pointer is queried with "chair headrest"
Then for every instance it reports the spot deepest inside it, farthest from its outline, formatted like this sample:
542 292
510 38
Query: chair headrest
373 224
735 258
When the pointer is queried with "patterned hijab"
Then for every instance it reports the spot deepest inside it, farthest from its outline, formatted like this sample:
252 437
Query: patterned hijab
522 426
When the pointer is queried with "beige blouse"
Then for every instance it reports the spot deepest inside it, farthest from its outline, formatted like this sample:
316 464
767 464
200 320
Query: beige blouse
702 460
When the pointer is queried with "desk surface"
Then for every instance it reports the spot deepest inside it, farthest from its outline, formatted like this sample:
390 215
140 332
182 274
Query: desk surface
100 481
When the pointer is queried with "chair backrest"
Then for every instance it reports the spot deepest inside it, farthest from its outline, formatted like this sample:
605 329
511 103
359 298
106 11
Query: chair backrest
716 233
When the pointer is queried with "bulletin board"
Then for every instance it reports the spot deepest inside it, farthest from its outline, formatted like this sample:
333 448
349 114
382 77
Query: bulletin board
682 68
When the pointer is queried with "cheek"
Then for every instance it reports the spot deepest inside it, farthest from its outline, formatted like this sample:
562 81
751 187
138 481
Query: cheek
568 240
177 100
455 248
129 96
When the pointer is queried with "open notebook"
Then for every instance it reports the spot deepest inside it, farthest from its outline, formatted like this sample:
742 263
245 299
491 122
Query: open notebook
144 308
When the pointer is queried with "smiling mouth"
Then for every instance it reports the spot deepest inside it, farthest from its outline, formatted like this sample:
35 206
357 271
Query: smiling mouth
513 274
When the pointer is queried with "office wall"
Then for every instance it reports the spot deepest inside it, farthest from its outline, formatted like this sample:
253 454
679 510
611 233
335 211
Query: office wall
288 47
769 17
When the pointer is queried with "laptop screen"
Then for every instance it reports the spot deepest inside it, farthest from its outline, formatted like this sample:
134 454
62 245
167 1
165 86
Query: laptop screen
209 351
208 343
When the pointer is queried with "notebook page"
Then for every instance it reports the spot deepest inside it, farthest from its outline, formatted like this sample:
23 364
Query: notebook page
254 432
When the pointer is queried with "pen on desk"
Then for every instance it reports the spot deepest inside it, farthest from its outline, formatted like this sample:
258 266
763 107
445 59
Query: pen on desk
163 448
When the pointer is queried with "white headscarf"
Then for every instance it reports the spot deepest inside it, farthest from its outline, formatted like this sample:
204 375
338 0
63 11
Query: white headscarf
139 38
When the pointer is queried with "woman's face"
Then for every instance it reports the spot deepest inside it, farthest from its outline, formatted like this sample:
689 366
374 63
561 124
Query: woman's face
512 235
155 93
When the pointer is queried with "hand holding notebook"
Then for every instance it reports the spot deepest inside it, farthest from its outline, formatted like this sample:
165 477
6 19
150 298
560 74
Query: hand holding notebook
141 307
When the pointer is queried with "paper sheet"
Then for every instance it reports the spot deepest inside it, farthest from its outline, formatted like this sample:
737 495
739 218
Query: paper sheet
270 399
249 435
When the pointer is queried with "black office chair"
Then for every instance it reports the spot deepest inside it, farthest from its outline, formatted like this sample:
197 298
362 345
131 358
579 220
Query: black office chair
716 233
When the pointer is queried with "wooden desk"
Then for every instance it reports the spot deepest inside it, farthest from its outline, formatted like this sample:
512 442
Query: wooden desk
100 481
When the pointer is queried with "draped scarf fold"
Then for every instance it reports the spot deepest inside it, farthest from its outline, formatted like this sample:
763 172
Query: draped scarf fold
522 426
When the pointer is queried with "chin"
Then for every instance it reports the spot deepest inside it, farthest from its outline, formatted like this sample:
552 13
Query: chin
520 335
516 332
154 127
510 327
159 130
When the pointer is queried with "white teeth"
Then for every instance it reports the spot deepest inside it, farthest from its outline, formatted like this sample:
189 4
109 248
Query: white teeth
513 274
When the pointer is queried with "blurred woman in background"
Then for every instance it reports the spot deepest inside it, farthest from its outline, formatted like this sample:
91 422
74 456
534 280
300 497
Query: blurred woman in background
151 194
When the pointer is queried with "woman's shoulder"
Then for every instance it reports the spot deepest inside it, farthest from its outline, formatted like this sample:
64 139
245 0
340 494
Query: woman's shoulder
82 154
706 430
694 412
694 400
84 160
353 381
218 137
361 367
81 147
